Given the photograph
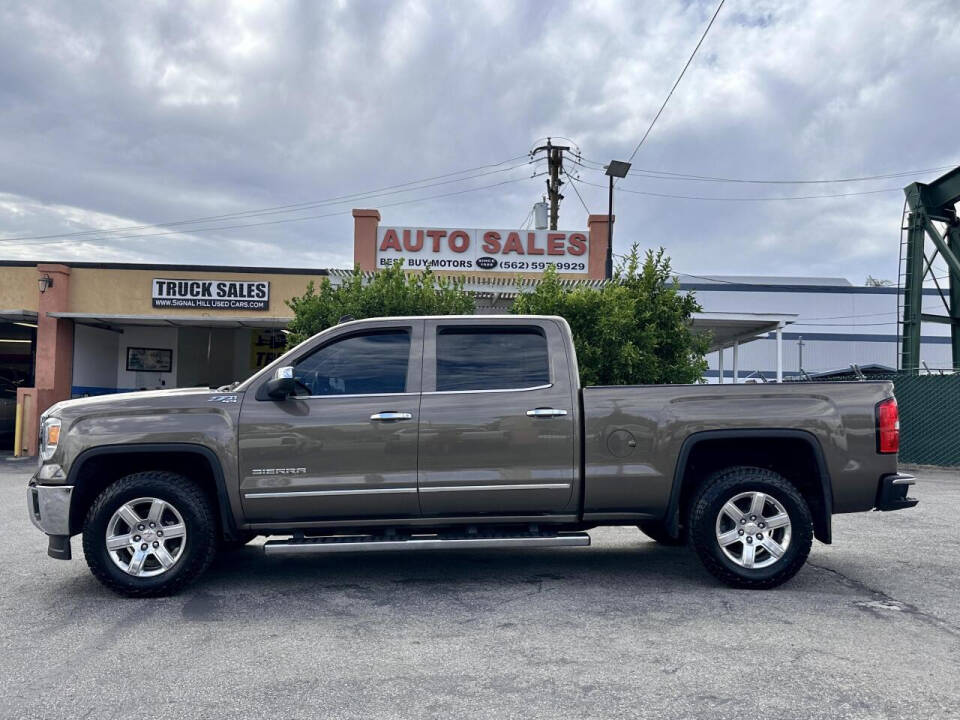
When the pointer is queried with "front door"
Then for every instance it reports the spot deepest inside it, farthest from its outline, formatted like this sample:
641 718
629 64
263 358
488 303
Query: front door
496 419
345 446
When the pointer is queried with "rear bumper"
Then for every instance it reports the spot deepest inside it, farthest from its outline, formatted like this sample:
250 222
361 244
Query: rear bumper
892 493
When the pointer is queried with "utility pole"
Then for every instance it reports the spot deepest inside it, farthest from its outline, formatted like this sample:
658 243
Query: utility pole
800 344
554 155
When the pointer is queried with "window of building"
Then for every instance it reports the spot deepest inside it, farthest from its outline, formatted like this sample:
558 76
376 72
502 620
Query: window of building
367 364
484 358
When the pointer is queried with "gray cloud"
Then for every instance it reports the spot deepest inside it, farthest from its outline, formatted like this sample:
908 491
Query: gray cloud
126 114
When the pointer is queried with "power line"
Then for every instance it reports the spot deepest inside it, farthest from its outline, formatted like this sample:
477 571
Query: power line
299 219
278 209
679 78
666 175
369 196
845 317
869 324
743 199
577 191
521 225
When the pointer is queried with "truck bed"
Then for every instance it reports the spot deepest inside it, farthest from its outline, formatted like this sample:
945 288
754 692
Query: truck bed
636 436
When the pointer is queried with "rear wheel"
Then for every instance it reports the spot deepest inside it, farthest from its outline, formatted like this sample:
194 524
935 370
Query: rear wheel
751 527
149 534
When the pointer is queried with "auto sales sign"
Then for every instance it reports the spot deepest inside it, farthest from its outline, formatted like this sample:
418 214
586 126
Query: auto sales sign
211 294
464 250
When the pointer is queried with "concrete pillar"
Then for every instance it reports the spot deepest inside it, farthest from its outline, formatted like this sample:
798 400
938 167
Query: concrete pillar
598 227
736 362
720 365
53 373
365 224
780 353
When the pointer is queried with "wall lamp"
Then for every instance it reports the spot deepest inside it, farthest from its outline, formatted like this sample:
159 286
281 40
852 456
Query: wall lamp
45 283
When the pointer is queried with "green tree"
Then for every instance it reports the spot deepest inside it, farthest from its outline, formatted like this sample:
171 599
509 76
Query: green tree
634 330
391 292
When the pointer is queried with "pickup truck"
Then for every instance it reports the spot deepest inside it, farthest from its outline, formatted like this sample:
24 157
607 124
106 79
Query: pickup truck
457 432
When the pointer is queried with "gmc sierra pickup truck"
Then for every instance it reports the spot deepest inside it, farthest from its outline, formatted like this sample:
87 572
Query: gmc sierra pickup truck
457 432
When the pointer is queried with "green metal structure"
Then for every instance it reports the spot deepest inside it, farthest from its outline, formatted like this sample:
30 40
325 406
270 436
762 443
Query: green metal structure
930 212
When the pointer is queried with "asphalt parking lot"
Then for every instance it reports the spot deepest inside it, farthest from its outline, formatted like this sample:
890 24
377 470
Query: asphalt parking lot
870 628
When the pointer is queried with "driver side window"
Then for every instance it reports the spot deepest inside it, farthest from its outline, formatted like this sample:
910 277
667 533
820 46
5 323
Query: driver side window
371 363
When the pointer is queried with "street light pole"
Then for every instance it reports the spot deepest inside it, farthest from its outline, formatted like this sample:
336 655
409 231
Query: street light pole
610 232
616 169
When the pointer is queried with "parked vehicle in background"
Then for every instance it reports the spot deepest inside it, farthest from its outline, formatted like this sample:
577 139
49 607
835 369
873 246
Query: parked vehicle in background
10 380
453 432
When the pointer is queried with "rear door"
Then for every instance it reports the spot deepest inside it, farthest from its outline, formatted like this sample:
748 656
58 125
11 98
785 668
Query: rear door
497 419
346 445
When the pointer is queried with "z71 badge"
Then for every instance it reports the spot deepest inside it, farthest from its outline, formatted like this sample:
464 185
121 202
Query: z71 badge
223 398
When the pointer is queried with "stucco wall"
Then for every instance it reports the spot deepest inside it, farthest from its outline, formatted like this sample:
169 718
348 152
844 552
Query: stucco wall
128 292
18 288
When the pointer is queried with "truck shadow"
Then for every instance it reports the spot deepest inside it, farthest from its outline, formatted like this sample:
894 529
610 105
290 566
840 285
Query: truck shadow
449 587
636 566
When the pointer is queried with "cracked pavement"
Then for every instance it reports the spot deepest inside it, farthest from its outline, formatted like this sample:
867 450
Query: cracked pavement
870 628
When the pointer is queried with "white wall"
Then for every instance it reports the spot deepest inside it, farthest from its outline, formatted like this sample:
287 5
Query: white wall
94 358
151 337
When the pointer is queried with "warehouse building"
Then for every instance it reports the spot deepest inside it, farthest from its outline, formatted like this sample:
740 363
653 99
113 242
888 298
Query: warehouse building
837 324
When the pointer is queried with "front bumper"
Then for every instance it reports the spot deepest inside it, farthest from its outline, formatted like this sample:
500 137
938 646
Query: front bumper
49 507
892 493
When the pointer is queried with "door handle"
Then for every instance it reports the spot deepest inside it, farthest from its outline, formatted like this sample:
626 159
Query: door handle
545 413
388 415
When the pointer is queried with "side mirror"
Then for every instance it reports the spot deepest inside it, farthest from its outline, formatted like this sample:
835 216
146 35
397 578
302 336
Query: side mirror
282 385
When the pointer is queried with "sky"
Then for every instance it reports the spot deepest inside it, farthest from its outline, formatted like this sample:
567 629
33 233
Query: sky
124 115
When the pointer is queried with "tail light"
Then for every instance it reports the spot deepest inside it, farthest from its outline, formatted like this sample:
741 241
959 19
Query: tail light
888 426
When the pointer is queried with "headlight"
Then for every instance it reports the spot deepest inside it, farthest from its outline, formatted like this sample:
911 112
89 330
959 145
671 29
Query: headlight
49 437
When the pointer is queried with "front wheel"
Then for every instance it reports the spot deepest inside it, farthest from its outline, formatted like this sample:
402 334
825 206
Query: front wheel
149 534
751 528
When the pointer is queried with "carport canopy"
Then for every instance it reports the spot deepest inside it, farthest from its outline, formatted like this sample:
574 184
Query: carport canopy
111 321
727 329
733 329
18 316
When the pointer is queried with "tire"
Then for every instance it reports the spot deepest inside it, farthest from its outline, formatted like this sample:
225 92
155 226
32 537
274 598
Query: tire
159 565
658 533
242 537
713 521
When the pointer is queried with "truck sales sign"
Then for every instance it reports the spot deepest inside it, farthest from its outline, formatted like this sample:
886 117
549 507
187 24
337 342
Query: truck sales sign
211 294
463 250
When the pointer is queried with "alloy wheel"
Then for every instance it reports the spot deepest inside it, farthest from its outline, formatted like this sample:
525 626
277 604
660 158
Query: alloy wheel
146 537
753 530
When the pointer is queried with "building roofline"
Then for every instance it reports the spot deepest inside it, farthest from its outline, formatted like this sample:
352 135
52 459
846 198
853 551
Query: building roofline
504 280
166 267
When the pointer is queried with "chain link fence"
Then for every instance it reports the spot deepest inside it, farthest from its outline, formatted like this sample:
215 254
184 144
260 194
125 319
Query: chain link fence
929 411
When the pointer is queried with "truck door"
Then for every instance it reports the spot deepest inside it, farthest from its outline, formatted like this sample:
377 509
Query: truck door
497 420
345 446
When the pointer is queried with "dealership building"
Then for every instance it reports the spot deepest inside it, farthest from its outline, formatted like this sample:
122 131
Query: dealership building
81 328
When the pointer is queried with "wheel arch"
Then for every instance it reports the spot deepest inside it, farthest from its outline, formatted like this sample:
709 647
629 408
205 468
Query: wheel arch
97 467
787 451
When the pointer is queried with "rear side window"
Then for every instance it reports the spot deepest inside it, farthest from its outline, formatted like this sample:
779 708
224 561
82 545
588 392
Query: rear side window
484 358
367 364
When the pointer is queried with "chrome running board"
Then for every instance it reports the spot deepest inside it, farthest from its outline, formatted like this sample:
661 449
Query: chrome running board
367 543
